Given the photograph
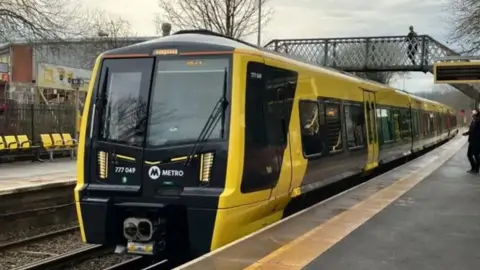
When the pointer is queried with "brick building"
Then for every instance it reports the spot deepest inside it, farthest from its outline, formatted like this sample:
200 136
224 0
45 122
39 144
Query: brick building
19 60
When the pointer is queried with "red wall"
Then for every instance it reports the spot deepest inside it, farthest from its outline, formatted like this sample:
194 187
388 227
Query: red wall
21 60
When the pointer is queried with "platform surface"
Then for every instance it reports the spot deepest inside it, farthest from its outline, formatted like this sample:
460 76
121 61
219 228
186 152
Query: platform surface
29 176
421 211
435 225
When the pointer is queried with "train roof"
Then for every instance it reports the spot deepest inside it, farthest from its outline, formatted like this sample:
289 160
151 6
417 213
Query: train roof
214 41
208 40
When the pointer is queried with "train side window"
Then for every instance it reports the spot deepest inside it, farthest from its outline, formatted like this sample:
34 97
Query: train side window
431 117
333 127
396 124
355 126
379 126
312 126
405 124
415 123
426 123
386 124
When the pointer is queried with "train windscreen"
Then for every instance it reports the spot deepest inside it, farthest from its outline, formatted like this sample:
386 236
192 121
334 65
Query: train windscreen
184 93
123 100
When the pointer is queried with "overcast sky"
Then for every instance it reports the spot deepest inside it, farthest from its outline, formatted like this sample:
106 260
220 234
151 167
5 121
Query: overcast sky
322 19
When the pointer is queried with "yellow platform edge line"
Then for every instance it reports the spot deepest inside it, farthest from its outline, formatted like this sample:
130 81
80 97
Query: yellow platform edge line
304 249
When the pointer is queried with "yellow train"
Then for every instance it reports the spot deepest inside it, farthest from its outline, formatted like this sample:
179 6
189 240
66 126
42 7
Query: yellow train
194 140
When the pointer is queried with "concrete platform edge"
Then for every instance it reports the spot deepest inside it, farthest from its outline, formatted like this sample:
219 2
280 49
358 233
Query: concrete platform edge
30 187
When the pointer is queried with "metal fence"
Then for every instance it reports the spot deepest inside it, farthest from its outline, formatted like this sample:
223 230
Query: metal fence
36 119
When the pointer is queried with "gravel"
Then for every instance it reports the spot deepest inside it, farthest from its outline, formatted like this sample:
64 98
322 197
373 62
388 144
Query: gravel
100 262
39 250
22 233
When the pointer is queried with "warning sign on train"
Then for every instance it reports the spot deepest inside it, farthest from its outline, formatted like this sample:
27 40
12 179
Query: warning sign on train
154 172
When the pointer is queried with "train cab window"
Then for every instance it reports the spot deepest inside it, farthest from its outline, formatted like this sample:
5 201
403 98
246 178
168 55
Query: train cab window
312 124
333 127
355 126
124 86
184 93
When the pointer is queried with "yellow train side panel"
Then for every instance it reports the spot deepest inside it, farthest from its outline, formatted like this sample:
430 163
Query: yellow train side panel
81 146
240 214
232 195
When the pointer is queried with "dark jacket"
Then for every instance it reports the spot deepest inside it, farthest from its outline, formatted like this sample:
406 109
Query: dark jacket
474 132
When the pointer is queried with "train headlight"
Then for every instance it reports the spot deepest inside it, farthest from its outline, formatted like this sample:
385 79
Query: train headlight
130 230
138 229
206 167
102 165
145 230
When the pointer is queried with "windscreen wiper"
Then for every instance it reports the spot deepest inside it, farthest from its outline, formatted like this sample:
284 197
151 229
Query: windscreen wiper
217 113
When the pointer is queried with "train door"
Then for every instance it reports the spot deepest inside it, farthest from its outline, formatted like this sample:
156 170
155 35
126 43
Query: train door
371 128
280 86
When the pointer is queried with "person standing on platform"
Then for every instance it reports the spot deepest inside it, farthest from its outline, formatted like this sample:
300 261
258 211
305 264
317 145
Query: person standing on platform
473 134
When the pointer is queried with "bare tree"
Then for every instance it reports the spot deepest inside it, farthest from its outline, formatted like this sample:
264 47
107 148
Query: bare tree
105 32
234 18
39 19
101 33
465 16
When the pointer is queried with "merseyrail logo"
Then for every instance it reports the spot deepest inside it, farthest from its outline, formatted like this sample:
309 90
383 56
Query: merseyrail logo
154 172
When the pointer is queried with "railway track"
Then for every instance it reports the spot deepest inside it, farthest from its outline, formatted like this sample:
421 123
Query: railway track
30 240
21 252
34 211
28 223
139 263
69 258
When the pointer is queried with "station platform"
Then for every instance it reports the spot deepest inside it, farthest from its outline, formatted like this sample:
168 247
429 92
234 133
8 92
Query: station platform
31 176
424 215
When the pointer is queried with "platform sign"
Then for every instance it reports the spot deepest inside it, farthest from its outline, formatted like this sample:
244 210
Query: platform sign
456 72
60 77
76 82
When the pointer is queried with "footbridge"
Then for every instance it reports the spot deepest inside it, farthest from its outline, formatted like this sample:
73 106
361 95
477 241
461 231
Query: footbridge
372 54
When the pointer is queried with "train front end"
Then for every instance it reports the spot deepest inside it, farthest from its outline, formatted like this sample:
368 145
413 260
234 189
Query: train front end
153 147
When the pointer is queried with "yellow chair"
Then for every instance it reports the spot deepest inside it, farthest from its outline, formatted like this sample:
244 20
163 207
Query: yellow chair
11 143
70 143
48 144
24 142
46 141
58 141
2 145
29 147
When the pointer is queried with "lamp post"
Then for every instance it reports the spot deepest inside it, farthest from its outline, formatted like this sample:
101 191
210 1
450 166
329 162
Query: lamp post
405 78
166 28
259 36
102 34
76 83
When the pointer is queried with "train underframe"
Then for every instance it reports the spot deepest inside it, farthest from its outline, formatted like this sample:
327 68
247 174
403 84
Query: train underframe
174 232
